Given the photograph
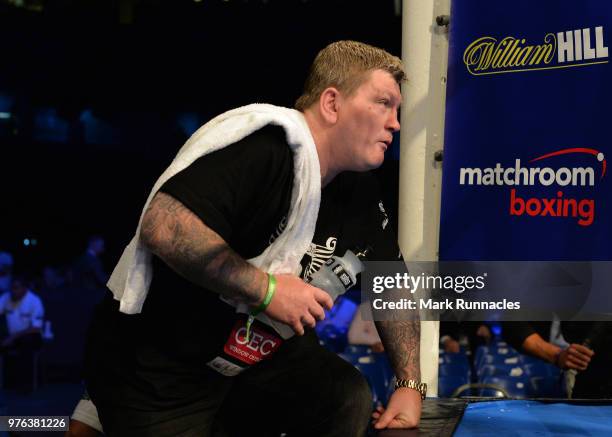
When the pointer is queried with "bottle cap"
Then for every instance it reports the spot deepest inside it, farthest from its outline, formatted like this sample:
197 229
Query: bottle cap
353 263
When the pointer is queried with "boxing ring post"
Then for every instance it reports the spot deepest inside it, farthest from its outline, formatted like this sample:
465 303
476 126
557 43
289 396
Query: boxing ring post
425 57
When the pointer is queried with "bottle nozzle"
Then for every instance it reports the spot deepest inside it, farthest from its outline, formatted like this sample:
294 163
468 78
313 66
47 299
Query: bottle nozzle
364 253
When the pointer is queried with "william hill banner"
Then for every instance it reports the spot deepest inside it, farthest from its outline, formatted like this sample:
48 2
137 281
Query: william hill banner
528 132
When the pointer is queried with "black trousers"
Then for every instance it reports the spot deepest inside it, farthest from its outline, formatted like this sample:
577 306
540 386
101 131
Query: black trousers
595 382
304 390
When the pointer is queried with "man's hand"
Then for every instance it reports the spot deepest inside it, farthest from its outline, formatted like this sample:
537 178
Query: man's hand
298 304
575 356
402 343
403 410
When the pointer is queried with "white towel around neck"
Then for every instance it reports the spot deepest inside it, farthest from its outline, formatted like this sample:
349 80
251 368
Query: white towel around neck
132 275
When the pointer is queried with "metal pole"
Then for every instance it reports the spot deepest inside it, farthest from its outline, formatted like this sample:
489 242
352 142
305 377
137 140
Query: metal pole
425 55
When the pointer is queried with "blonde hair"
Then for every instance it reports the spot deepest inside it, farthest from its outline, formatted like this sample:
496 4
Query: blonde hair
345 65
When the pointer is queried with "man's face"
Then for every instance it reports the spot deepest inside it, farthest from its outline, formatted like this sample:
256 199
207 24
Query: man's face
367 119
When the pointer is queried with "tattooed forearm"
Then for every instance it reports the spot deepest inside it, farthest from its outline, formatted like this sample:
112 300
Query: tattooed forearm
196 252
402 343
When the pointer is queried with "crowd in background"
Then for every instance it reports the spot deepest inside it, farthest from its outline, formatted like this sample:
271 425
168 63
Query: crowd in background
47 312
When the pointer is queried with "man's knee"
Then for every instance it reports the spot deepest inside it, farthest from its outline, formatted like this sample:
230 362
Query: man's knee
79 429
351 404
353 393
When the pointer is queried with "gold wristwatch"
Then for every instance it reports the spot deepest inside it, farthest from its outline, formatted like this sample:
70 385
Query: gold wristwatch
421 387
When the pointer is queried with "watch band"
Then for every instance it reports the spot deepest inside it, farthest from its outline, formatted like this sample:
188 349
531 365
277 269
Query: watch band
421 387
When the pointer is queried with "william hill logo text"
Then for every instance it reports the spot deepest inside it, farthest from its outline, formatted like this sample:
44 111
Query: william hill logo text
521 178
572 48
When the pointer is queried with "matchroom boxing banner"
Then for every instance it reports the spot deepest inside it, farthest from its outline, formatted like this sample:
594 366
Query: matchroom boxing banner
528 131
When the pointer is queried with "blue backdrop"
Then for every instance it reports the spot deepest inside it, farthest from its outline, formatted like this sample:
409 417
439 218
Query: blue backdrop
520 87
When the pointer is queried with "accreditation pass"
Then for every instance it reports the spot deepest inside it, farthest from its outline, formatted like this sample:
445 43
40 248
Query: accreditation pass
34 423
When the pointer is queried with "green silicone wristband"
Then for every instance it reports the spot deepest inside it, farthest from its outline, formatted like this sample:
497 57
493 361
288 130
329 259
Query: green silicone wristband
269 295
262 306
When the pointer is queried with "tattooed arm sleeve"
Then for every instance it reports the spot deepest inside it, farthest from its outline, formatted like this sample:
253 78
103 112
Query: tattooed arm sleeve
193 250
402 343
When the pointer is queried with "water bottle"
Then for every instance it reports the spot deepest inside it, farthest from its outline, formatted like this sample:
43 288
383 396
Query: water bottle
336 276
339 274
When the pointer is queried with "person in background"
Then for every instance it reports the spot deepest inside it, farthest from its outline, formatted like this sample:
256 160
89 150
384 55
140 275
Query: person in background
24 314
586 355
476 333
533 338
88 271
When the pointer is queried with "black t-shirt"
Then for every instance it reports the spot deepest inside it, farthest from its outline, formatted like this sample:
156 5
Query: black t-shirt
243 193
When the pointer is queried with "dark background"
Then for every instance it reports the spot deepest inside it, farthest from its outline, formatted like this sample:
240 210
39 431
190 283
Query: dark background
98 96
